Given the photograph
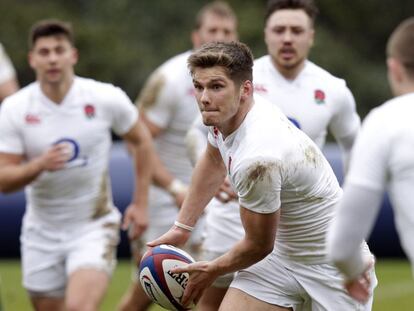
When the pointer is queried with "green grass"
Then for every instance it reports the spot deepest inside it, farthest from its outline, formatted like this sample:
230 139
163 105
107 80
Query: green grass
394 292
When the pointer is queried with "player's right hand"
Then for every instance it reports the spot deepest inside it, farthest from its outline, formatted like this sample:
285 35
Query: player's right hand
175 236
54 158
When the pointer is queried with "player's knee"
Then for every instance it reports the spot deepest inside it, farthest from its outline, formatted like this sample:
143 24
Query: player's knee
80 304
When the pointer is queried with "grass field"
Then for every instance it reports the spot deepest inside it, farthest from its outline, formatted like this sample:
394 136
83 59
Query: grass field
394 292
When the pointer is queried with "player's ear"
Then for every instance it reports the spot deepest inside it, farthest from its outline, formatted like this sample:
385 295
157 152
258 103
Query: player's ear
246 90
395 69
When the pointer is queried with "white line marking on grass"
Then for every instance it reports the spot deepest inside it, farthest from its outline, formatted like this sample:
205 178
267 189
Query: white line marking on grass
394 290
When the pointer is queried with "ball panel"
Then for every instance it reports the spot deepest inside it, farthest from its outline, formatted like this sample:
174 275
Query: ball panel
153 291
160 285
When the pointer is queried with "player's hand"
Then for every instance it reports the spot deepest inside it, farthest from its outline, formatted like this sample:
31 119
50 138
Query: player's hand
202 275
54 158
226 193
360 287
135 221
175 236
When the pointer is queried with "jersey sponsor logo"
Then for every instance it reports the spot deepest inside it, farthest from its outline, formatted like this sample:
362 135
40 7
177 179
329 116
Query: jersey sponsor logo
32 119
319 96
260 88
72 148
89 111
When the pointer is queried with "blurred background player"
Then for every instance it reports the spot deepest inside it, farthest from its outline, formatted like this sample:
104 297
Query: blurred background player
8 80
55 141
311 98
168 108
287 194
382 158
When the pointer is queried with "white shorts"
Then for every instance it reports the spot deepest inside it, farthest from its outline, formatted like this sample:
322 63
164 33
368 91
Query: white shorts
299 286
50 256
223 281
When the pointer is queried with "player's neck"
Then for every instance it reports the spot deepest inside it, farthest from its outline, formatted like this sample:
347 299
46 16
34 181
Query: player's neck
290 73
234 123
56 92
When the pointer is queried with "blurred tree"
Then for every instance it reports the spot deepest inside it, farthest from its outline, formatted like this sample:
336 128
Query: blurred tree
122 41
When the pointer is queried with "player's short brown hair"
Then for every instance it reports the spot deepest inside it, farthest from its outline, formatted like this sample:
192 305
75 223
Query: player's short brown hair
306 5
401 45
235 57
219 8
50 27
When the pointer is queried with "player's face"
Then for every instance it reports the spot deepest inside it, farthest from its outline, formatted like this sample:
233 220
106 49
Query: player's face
53 58
218 97
289 36
215 29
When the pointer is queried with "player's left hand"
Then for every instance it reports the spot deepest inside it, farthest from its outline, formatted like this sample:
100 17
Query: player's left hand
202 275
135 221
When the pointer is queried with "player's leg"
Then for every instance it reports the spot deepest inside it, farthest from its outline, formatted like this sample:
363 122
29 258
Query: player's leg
236 299
43 267
211 299
86 290
90 261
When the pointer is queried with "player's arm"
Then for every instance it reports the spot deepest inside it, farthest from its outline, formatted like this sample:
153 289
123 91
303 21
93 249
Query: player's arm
162 177
140 142
16 174
345 124
8 87
207 177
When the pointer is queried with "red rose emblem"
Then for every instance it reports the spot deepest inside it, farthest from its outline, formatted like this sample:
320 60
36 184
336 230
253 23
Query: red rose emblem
89 111
319 96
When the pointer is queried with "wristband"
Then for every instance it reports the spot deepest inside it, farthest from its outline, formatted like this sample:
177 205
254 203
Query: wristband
176 187
183 226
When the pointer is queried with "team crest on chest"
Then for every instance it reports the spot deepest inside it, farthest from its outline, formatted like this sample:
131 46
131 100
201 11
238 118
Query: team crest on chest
89 111
319 97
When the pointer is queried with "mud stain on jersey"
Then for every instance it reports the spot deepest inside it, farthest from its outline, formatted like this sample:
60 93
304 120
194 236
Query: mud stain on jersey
312 156
261 170
102 204
151 90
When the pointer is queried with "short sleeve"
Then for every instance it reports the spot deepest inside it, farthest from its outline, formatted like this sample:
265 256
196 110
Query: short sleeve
258 183
7 71
345 120
370 153
10 137
125 114
157 99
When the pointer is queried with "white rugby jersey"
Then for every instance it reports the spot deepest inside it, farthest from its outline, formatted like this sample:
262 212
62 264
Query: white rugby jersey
272 165
314 101
30 123
383 158
6 68
168 101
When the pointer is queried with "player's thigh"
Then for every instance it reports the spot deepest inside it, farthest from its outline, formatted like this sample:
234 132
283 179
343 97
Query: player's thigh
211 299
94 245
43 262
86 289
238 300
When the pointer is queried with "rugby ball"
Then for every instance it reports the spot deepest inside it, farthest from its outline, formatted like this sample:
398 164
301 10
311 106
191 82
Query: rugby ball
161 285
